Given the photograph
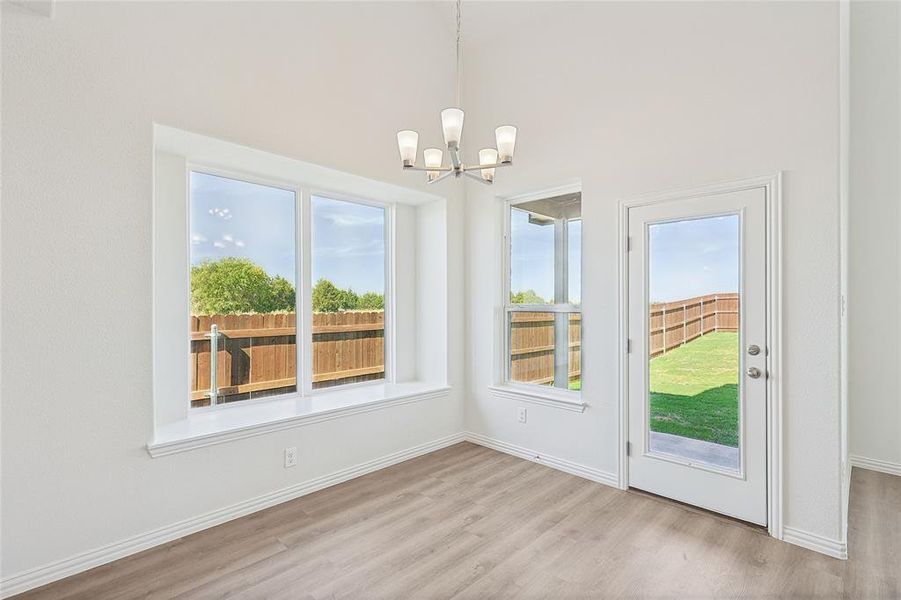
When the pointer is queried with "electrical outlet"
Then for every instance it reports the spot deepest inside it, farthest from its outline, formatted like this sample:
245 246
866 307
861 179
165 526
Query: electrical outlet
291 457
521 414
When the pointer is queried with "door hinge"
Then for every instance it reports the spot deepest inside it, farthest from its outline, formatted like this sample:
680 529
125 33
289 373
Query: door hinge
628 346
628 448
628 243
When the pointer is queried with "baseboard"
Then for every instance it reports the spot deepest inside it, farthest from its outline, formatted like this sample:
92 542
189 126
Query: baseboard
33 578
883 466
817 543
560 464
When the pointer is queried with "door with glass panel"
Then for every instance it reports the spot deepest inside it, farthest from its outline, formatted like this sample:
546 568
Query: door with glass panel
697 360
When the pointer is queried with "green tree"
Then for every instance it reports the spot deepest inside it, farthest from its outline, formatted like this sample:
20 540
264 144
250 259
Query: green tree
237 285
349 300
283 295
527 297
371 301
327 297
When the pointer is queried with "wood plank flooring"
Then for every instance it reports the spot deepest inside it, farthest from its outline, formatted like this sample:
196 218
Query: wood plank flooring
469 522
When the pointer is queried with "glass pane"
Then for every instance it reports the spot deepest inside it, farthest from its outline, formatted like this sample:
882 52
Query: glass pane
531 258
348 292
534 356
546 250
574 268
694 271
242 256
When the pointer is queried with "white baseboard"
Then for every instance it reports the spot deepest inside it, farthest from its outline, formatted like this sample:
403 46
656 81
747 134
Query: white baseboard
560 464
33 578
883 466
817 543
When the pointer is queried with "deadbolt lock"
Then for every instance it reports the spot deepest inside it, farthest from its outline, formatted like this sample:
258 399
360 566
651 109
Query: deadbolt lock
753 349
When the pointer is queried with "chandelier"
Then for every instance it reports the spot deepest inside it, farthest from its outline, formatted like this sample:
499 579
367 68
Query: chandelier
452 127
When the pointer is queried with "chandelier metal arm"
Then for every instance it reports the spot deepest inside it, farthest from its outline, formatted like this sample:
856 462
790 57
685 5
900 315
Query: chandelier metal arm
442 169
492 166
440 177
476 177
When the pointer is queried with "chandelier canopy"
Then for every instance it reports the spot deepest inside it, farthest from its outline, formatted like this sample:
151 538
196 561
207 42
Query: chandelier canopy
452 127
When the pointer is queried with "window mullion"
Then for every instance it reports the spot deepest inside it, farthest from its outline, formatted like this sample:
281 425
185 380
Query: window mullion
304 303
561 320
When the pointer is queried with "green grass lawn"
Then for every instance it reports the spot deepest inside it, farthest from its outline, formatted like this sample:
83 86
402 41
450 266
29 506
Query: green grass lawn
694 390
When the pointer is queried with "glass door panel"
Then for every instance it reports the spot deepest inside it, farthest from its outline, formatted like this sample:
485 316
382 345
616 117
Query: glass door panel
693 403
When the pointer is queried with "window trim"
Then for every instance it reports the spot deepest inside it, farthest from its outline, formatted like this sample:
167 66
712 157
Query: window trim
504 386
303 248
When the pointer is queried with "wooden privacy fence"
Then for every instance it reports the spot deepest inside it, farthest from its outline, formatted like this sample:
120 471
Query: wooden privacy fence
673 324
256 353
532 347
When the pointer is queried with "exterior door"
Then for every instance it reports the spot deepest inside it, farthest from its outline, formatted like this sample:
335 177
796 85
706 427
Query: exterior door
697 358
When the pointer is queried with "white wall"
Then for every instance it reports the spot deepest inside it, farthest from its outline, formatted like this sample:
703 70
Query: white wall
316 82
875 222
639 97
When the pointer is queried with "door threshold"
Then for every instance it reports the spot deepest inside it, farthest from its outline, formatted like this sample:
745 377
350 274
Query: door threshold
701 511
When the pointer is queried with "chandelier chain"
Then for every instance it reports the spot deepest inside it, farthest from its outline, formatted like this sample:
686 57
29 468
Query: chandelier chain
459 52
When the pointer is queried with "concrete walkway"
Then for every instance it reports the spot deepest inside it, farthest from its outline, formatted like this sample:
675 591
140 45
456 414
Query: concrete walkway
718 455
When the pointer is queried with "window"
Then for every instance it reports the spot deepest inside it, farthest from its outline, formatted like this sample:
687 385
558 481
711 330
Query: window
348 278
543 315
244 256
243 299
287 224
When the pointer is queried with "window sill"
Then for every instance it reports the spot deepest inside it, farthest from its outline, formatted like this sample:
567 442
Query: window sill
555 399
234 423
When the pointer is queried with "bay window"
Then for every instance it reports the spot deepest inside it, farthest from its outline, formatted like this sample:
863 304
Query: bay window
274 279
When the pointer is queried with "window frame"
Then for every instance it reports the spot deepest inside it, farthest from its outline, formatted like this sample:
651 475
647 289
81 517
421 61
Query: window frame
303 306
528 391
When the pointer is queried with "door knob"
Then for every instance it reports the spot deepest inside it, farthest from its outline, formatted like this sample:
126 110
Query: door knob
753 372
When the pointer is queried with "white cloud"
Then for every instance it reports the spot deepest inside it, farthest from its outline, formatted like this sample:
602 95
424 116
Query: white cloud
197 239
219 244
228 237
222 213
240 243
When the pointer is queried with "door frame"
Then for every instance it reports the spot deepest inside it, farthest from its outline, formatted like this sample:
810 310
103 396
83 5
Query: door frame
772 184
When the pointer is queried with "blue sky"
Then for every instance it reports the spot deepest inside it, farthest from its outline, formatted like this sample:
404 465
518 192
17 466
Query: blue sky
693 257
349 244
236 218
532 257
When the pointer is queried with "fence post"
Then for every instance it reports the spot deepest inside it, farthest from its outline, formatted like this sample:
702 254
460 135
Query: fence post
684 325
716 313
214 366
663 321
701 334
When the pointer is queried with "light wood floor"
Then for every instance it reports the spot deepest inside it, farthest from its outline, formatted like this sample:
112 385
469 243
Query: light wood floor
468 522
